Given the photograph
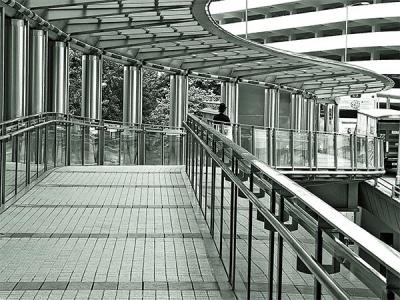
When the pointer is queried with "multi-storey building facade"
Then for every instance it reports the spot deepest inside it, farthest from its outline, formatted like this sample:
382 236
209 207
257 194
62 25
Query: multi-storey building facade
363 33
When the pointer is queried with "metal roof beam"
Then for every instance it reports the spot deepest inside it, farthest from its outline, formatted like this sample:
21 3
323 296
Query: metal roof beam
205 64
135 43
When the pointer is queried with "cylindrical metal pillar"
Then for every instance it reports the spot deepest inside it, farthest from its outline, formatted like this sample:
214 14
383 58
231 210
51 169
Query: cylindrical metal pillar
92 69
311 115
298 112
179 100
2 66
59 79
271 108
231 99
37 72
15 96
336 117
133 95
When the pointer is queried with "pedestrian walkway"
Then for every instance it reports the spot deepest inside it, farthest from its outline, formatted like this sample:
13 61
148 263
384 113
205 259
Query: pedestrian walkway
108 233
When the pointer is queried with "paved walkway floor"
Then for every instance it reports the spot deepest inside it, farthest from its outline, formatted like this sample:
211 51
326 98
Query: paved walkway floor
108 233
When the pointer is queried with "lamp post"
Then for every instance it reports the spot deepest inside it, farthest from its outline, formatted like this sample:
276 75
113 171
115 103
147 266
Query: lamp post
347 24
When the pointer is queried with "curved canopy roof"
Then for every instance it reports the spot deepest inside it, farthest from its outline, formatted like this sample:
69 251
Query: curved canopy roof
180 34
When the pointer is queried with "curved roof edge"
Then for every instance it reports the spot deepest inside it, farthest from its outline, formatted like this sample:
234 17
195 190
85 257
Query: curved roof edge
181 36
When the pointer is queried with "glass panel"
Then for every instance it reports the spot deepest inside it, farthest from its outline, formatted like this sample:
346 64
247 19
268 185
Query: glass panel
10 166
361 152
282 142
300 149
261 144
50 146
172 149
344 151
153 144
21 161
245 134
371 152
111 147
60 147
326 151
91 144
42 149
76 144
33 154
129 142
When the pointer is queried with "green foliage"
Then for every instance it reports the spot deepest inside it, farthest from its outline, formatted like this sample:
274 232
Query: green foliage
156 92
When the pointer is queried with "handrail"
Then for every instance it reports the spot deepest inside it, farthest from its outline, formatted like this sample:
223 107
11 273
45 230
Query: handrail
393 188
385 254
315 268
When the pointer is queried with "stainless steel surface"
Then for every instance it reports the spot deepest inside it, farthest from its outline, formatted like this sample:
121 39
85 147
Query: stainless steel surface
92 86
380 251
178 100
132 95
15 96
197 58
271 108
232 100
37 72
59 98
2 65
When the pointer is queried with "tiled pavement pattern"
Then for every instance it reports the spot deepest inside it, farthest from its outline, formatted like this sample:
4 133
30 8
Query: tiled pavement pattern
109 233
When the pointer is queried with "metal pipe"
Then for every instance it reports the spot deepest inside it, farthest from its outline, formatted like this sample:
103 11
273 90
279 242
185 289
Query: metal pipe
2 67
232 101
179 99
91 86
133 95
37 72
15 96
59 87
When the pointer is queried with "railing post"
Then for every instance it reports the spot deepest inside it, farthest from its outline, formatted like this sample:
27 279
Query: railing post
271 253
376 154
310 150
291 148
318 258
213 186
83 138
366 153
221 225
163 149
280 250
316 150
27 155
2 169
355 150
68 142
119 146
253 140
250 236
142 147
352 152
201 174
335 149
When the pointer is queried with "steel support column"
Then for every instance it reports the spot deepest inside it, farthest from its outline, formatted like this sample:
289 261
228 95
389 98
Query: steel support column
311 115
15 89
37 72
132 108
92 69
132 98
271 108
230 96
2 66
298 118
59 78
178 114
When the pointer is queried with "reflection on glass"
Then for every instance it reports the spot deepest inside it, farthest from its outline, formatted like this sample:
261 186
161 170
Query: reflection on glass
282 142
326 150
111 147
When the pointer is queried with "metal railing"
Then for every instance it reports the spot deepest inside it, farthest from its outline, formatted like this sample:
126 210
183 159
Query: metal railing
389 187
302 151
273 236
30 146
